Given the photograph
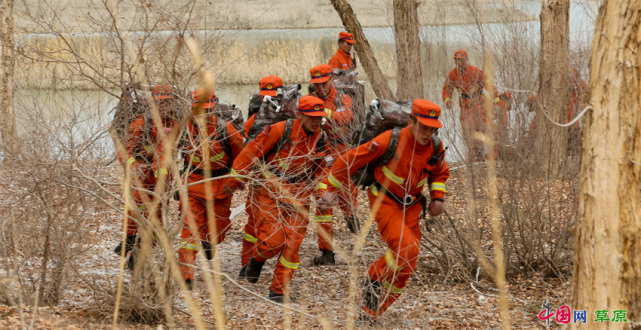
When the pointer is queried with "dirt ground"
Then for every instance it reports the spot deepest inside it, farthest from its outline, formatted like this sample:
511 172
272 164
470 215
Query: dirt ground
430 301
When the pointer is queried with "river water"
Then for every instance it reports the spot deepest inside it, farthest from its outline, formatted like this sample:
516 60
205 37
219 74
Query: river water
98 104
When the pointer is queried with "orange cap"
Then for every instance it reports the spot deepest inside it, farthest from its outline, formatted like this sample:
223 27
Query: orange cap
159 92
427 113
320 73
312 106
347 37
208 103
269 84
460 54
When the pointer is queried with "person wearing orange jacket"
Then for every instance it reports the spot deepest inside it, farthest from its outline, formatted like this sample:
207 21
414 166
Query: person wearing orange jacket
470 81
144 143
268 86
398 186
339 106
342 59
224 143
293 153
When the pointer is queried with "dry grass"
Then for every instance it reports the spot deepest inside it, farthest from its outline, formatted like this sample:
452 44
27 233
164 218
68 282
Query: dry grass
259 14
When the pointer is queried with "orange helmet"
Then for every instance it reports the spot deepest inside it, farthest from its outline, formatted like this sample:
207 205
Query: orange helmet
159 92
208 103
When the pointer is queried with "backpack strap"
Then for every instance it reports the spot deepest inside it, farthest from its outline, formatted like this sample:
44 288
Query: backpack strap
391 149
322 142
436 155
223 138
284 139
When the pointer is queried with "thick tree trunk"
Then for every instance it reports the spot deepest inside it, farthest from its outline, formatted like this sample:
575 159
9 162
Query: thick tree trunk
365 54
7 113
555 83
607 255
408 52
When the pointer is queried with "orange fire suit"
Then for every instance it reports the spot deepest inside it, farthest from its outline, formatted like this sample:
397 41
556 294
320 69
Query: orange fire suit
341 60
280 206
470 83
405 175
338 129
196 226
142 150
248 124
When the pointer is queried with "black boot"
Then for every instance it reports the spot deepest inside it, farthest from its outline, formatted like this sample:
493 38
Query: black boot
276 297
189 284
365 320
326 258
209 253
371 293
131 261
253 269
242 273
353 224
129 245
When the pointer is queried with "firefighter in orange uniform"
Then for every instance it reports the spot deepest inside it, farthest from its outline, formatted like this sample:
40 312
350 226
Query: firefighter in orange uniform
268 86
224 143
400 183
342 59
339 106
470 81
294 153
143 146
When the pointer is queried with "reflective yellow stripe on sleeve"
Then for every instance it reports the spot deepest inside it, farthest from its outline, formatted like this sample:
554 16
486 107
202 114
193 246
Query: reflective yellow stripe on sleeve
321 186
250 238
148 148
333 181
323 218
446 100
496 100
374 190
329 113
131 160
390 175
421 183
282 163
232 172
163 171
391 288
391 263
195 159
290 265
218 157
189 246
440 186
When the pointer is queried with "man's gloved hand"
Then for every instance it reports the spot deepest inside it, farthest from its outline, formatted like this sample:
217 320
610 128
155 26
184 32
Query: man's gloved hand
435 208
328 199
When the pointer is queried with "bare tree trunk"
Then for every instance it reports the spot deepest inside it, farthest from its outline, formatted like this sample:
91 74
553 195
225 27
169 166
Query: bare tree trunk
554 82
607 254
408 52
7 113
365 54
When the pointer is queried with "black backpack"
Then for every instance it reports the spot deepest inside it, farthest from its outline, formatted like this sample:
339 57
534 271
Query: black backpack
274 109
382 116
